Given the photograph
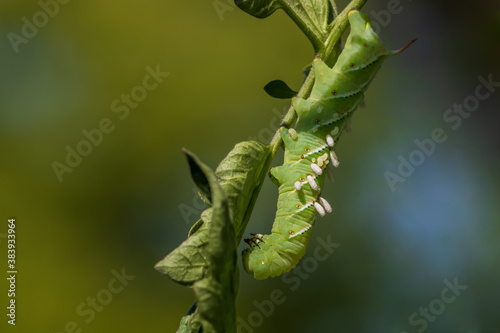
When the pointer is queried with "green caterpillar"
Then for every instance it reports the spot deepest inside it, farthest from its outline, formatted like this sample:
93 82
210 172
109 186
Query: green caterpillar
309 152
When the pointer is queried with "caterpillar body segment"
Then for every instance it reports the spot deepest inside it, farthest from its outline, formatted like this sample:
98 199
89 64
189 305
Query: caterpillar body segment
309 153
277 253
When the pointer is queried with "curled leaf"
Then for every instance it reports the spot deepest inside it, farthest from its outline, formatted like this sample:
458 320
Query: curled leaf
258 8
311 16
241 174
199 177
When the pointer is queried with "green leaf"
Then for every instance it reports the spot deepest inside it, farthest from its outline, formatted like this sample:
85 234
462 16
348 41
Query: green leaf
199 178
311 16
195 227
216 292
279 89
205 198
188 263
241 174
190 323
258 8
207 260
320 12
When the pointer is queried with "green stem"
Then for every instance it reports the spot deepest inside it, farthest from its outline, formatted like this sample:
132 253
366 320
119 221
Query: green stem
290 114
334 6
337 27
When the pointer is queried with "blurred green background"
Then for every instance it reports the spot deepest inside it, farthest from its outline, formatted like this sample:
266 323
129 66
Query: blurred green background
131 200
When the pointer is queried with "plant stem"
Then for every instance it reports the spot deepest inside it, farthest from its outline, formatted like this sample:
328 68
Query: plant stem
290 114
334 6
337 27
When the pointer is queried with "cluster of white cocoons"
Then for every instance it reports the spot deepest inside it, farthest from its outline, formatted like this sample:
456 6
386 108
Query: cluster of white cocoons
317 170
297 185
325 204
312 182
319 209
322 206
334 158
329 140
